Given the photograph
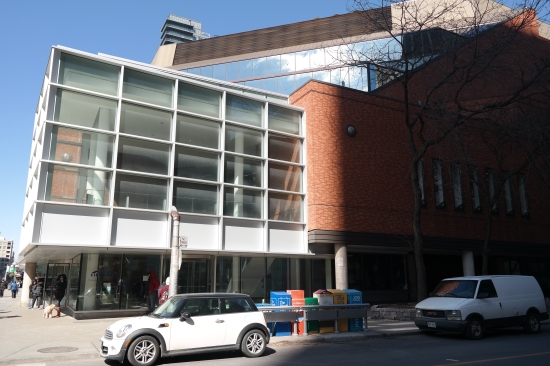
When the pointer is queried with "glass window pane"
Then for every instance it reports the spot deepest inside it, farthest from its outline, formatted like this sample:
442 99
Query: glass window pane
285 177
142 156
286 84
284 148
199 100
195 71
254 83
77 185
243 141
288 62
207 71
358 78
323 75
273 65
134 289
438 184
508 194
197 131
147 88
285 207
474 186
317 58
277 274
260 66
219 72
332 56
232 71
302 61
87 74
239 202
140 192
81 147
245 69
195 198
456 173
253 273
523 196
196 164
244 110
269 84
241 171
301 79
85 110
283 119
147 122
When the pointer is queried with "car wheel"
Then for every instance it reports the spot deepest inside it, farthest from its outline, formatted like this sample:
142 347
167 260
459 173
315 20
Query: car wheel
253 344
532 323
143 351
474 329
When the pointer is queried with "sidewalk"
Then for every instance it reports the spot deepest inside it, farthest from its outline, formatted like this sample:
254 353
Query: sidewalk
26 337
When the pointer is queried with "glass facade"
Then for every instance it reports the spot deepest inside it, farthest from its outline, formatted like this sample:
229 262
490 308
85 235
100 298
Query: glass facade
206 159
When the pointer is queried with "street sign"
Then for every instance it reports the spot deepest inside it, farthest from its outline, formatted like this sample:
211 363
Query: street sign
183 242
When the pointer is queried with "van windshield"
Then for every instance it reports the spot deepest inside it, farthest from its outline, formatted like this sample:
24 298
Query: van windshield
455 288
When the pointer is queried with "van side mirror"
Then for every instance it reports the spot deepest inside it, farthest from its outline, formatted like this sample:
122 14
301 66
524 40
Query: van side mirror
482 295
184 316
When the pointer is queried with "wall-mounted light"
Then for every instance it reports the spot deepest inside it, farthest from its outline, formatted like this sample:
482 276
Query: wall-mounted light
66 157
351 131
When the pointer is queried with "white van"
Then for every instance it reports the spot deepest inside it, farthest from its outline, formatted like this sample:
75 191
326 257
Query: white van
469 305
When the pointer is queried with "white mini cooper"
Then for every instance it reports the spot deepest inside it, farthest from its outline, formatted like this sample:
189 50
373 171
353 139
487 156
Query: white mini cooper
185 324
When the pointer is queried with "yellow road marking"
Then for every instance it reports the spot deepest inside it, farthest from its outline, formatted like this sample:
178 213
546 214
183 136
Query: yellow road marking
496 359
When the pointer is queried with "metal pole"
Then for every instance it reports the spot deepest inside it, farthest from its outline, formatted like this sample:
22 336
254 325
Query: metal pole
174 258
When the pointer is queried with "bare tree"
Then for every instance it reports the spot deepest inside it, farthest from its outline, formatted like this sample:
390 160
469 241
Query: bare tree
451 63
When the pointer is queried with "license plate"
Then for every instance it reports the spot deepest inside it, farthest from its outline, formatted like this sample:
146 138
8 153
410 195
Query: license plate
431 325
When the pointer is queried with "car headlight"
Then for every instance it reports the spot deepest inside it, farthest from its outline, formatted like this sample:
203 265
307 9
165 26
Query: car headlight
124 330
453 315
418 313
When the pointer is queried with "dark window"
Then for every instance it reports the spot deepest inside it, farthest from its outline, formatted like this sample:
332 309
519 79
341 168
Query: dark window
523 196
200 307
236 305
420 170
474 187
438 184
508 195
491 188
456 173
487 287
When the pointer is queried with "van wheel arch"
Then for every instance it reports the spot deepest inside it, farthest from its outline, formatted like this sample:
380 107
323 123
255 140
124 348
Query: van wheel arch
475 315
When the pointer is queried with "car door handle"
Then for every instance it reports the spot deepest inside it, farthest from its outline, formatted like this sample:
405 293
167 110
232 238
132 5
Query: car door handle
220 321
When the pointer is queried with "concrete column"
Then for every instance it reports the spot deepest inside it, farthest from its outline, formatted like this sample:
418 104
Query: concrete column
468 263
235 276
28 277
341 266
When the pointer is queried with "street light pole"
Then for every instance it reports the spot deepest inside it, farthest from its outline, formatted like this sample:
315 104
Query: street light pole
174 258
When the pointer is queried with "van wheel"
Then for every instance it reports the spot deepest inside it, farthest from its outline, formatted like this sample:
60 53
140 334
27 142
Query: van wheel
253 344
532 323
474 329
143 351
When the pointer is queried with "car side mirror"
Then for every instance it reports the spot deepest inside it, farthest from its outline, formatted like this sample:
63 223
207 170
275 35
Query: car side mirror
482 295
185 316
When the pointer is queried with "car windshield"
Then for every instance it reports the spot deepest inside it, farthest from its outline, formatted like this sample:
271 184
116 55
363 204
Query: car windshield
455 288
167 309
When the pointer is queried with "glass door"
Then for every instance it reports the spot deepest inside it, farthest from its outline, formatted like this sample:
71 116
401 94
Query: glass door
195 276
53 271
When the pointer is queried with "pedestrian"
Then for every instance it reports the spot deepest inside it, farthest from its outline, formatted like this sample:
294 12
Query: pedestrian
37 294
14 287
59 293
31 293
152 295
163 291
2 288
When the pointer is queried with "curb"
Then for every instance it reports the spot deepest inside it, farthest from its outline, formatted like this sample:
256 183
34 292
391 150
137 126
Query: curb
314 339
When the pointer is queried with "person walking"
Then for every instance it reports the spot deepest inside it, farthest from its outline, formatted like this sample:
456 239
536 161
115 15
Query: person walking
37 294
14 287
59 293
152 294
31 293
2 288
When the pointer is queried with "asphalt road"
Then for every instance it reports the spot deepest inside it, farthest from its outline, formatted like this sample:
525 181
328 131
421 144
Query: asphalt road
502 347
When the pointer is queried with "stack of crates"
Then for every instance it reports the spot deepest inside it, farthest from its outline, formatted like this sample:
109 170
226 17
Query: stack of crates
297 298
355 297
279 298
340 297
325 297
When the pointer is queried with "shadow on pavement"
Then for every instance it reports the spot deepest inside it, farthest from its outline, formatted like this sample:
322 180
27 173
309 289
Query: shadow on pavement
209 356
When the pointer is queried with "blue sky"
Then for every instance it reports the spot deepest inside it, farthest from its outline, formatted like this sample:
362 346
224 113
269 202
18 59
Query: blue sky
124 28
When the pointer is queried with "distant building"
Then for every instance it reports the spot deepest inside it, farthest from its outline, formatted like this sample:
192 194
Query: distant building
178 29
6 255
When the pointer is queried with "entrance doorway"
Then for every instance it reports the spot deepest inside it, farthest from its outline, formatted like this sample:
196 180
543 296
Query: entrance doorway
194 276
53 271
